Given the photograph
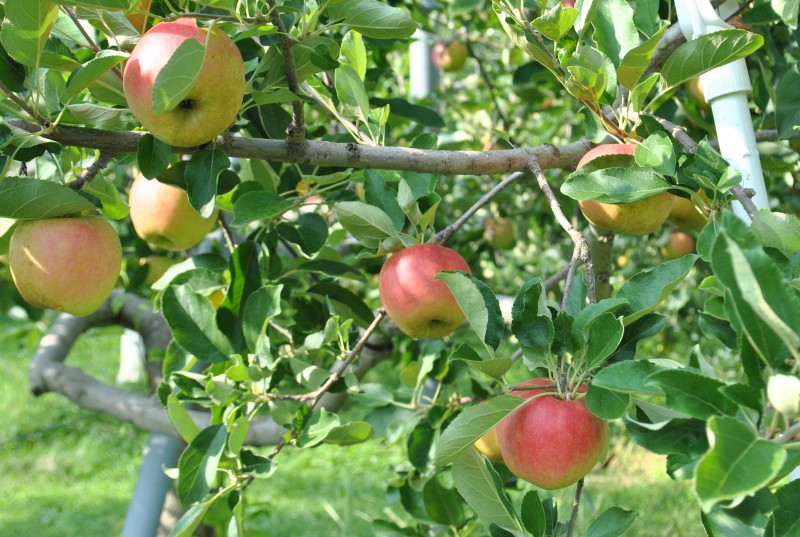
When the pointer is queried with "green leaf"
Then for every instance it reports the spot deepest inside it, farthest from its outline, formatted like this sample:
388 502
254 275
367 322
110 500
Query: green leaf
178 76
657 152
530 317
12 73
479 304
777 230
787 10
180 419
738 463
258 205
787 105
261 306
120 5
606 404
693 394
555 22
613 522
344 301
198 464
349 434
613 185
304 53
108 195
471 424
318 428
24 198
190 520
707 52
634 63
605 334
415 112
201 174
443 504
615 31
351 92
629 377
309 231
191 320
647 289
374 19
479 484
153 156
494 369
26 28
367 223
355 53
89 72
532 514
785 520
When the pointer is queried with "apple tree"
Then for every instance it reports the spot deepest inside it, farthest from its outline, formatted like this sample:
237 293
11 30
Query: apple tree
315 163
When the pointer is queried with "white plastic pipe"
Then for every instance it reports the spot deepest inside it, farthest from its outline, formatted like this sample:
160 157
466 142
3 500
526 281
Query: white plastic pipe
726 89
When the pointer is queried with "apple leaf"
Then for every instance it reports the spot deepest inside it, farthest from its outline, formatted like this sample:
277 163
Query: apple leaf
25 29
261 306
777 230
373 18
201 174
82 77
366 223
634 63
707 52
471 424
555 22
657 152
785 520
604 335
191 320
355 53
190 520
479 304
693 394
24 198
119 5
532 514
305 52
614 30
198 464
531 320
350 434
180 419
787 103
480 485
614 185
351 92
738 463
606 404
153 156
613 522
108 195
647 289
629 377
443 504
258 205
178 76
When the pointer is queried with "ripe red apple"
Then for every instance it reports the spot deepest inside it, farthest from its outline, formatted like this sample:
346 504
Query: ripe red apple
551 442
421 306
679 244
499 232
161 214
449 57
213 102
640 217
65 264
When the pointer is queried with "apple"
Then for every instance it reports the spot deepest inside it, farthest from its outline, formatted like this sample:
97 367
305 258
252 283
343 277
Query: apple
156 265
161 214
450 57
421 306
68 264
138 18
551 442
640 217
499 232
489 446
694 87
783 392
685 215
212 103
679 245
568 3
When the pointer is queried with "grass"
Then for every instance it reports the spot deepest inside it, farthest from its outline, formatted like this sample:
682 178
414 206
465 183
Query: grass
67 471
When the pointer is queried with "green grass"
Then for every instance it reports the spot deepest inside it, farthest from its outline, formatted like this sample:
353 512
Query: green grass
67 471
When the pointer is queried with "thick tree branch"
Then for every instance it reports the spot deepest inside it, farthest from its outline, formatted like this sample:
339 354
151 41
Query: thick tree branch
342 155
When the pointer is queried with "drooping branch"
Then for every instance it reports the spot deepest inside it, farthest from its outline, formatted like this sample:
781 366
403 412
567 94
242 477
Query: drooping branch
341 155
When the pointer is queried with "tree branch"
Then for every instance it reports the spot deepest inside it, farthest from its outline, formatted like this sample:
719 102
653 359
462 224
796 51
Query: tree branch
89 174
330 154
296 133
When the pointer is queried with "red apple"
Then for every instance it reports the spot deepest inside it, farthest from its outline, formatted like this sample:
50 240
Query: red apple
161 214
421 306
449 57
213 102
65 264
679 244
640 217
551 442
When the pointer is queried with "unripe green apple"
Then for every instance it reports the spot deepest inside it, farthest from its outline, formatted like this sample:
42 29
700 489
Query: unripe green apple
157 266
212 103
640 217
421 306
783 392
450 57
679 245
685 215
694 87
499 232
65 264
551 442
161 214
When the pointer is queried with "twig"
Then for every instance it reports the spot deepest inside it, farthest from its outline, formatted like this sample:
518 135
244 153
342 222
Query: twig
349 125
745 197
16 99
446 234
89 174
226 233
575 505
788 434
94 46
581 252
334 378
296 132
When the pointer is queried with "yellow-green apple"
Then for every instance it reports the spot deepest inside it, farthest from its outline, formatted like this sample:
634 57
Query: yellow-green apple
685 215
549 441
679 245
161 214
156 265
499 232
449 57
213 102
640 217
694 87
67 264
421 306
489 446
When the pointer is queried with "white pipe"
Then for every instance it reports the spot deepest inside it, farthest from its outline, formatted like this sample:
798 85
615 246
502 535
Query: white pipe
726 88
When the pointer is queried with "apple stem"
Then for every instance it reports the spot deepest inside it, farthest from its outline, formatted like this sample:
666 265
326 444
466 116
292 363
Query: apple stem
575 504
